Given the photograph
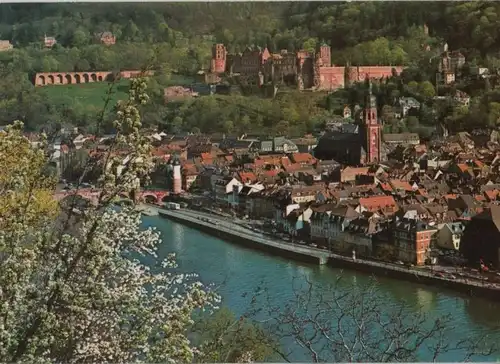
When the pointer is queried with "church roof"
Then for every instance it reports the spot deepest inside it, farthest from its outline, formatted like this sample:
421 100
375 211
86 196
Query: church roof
339 136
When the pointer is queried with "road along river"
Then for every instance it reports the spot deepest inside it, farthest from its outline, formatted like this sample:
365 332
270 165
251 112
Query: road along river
240 271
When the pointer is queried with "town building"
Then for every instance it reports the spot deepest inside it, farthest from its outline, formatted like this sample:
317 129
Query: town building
405 105
106 38
178 94
401 139
441 195
49 42
481 237
5 45
450 65
449 235
355 144
413 240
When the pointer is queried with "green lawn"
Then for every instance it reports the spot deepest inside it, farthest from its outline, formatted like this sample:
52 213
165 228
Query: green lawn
94 94
89 94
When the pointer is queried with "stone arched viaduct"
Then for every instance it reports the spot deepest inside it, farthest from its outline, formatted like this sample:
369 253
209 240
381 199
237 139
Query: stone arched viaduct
67 78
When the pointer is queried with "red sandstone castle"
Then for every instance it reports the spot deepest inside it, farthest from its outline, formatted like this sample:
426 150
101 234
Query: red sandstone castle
306 70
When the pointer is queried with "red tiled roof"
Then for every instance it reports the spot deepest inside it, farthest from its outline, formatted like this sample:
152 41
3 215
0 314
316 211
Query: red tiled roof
292 167
386 187
401 185
491 195
271 172
247 177
285 161
302 157
377 202
450 196
160 152
480 198
229 158
259 162
463 167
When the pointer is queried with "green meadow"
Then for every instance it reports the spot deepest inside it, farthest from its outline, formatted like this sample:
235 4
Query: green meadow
86 94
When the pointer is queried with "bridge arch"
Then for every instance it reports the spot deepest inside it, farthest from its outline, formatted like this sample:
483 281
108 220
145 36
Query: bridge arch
41 80
150 198
99 78
69 79
93 77
78 78
50 80
59 78
86 78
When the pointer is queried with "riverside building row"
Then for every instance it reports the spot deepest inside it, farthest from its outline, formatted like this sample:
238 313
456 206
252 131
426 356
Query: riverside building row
418 202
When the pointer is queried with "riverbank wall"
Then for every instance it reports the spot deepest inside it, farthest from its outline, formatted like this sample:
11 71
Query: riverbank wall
282 249
313 255
414 275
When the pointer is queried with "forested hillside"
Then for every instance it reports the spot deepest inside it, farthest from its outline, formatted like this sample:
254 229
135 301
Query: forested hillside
348 27
177 38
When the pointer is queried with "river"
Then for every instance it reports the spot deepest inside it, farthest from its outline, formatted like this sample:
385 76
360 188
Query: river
239 270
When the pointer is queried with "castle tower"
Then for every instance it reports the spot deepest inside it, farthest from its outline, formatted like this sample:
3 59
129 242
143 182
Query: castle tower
177 177
219 54
318 63
325 54
372 127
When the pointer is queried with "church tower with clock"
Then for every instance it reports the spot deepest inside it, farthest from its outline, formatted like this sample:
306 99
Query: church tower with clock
372 128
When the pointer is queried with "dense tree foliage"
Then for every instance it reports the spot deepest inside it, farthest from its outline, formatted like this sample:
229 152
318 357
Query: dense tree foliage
359 32
177 39
290 114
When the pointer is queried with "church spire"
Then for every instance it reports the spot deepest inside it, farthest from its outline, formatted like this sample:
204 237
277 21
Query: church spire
371 99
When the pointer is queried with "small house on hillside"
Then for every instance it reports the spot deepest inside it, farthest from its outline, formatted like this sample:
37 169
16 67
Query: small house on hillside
106 38
49 42
5 45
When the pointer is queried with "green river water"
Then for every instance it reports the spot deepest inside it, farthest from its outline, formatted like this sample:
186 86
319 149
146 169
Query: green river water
240 270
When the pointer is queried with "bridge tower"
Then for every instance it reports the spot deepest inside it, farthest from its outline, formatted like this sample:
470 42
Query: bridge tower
177 177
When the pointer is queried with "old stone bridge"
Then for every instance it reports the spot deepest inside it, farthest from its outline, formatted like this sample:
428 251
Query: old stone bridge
67 78
150 196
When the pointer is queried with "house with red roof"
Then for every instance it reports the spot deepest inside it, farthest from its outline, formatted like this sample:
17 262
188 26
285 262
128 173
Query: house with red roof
303 158
246 177
385 204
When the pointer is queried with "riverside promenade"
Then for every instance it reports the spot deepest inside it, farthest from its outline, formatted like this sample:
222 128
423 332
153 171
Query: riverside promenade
237 233
228 229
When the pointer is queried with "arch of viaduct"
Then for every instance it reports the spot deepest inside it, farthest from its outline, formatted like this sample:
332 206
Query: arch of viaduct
68 78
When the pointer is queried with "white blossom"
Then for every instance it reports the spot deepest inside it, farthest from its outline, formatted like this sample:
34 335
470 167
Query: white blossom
99 292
